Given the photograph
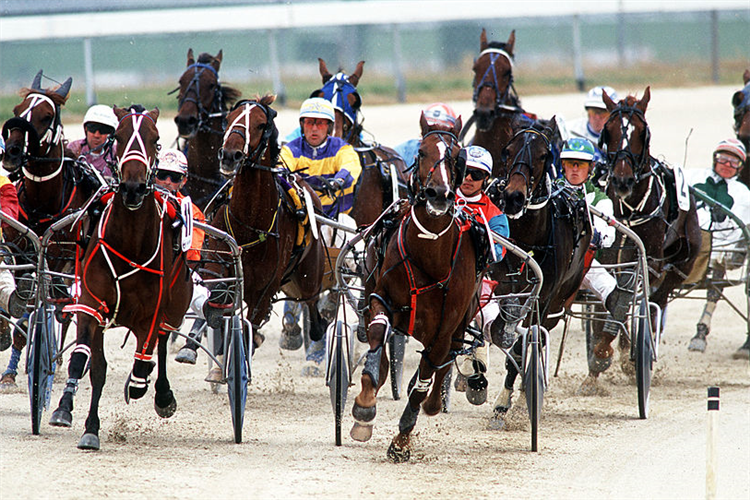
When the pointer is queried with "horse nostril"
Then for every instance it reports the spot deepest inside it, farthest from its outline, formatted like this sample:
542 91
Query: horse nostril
237 155
451 196
430 193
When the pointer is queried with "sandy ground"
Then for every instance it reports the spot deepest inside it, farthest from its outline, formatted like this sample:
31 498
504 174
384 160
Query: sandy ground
590 447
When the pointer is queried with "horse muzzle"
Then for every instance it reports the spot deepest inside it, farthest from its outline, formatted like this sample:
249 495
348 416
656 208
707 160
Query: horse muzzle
623 185
514 202
439 201
230 161
187 126
133 194
485 118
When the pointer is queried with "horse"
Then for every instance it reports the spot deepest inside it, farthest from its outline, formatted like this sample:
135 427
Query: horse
496 103
133 274
201 119
49 185
546 219
264 222
741 105
649 197
374 190
425 285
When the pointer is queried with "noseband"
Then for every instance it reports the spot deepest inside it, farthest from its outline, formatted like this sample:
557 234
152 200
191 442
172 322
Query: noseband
638 163
204 114
416 186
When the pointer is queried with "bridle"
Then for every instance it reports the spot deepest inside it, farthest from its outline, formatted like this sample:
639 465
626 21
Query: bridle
135 149
506 100
337 90
524 158
417 188
217 104
639 163
241 126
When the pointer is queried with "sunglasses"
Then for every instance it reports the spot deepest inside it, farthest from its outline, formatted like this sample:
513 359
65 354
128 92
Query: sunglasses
99 127
728 160
164 175
476 175
576 163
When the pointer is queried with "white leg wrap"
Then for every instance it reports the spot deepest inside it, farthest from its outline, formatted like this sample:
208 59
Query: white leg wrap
599 281
423 385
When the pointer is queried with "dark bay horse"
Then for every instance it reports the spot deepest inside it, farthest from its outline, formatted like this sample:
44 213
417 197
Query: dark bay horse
649 198
496 103
131 276
425 286
374 190
49 185
548 220
201 119
262 219
741 105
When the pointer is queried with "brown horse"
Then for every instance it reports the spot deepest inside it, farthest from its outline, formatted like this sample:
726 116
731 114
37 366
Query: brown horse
51 186
647 198
262 219
741 104
545 219
374 191
131 276
424 286
201 119
496 103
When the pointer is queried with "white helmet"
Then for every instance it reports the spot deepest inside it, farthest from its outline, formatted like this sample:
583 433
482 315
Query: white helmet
173 160
594 98
317 107
99 113
479 158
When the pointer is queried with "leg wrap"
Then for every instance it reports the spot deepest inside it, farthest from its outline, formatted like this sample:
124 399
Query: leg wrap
79 361
372 364
422 385
71 386
408 419
15 356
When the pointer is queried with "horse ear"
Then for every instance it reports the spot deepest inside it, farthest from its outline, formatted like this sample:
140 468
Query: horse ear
37 83
553 130
64 89
423 125
511 41
119 112
217 60
324 73
746 76
190 57
354 77
483 40
643 103
457 127
737 98
608 101
154 114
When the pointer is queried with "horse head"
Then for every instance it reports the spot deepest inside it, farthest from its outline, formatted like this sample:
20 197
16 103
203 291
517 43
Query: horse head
525 163
137 144
741 104
201 95
341 90
493 80
36 130
626 136
250 137
438 173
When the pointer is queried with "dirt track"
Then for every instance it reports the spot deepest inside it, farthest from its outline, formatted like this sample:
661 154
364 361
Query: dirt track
591 447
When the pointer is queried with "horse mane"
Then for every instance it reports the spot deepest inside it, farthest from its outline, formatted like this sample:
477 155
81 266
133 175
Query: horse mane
56 98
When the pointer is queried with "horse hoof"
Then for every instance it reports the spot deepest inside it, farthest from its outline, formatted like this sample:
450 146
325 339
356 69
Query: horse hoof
362 414
397 453
497 421
460 383
89 441
61 418
361 432
8 383
476 389
166 411
598 365
589 387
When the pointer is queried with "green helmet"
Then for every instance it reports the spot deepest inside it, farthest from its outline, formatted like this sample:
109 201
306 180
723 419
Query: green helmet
578 148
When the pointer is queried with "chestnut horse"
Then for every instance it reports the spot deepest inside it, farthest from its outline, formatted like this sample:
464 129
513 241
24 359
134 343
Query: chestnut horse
51 186
131 276
649 198
546 219
262 219
425 286
496 103
201 119
741 104
374 190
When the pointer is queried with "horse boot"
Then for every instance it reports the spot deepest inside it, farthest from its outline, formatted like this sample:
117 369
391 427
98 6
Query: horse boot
220 300
503 403
618 305
364 418
744 351
189 352
699 341
502 330
137 385
476 383
291 333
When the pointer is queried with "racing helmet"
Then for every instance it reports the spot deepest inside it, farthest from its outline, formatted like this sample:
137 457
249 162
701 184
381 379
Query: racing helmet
99 113
440 114
173 160
317 107
594 98
733 147
578 148
2 147
479 158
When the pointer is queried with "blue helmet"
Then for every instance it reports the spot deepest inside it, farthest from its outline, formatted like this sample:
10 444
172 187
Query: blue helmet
578 148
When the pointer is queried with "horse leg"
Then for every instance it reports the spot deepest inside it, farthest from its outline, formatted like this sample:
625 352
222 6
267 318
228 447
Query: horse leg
164 401
703 328
376 362
434 402
503 401
8 379
98 376
137 383
77 366
400 447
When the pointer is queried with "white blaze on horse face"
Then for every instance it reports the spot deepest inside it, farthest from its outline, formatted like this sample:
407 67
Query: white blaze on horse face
444 177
